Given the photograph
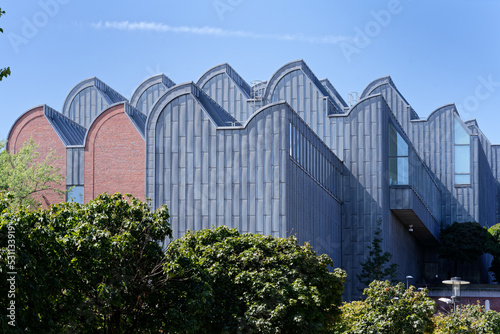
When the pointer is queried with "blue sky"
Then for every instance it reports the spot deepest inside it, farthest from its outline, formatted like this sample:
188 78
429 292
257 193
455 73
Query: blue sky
437 52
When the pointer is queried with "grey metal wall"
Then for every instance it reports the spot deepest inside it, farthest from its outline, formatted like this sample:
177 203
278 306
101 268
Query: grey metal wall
313 210
488 182
88 99
212 176
86 106
434 141
149 97
228 89
239 176
495 160
360 139
363 134
398 105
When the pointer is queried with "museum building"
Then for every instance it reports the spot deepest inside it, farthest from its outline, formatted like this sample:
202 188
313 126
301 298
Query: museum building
286 156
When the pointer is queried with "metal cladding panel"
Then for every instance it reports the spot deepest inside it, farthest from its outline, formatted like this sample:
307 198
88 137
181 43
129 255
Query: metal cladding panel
398 105
75 166
362 137
228 95
436 147
87 105
313 187
137 118
150 97
220 116
70 132
333 92
203 176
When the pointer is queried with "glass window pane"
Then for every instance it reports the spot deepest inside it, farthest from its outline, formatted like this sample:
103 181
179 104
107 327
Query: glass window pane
398 171
75 194
461 136
462 159
462 178
393 171
393 141
402 146
397 145
403 171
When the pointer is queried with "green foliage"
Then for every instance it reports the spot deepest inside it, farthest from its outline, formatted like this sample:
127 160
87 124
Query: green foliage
468 319
250 283
4 72
388 309
86 268
23 175
493 247
463 242
377 266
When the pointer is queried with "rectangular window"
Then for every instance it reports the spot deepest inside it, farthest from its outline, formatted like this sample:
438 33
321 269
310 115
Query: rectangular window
75 194
398 158
461 154
310 159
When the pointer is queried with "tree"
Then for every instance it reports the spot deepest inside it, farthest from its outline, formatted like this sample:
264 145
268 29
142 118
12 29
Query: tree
462 242
493 247
388 309
468 319
251 283
93 268
4 72
377 266
23 175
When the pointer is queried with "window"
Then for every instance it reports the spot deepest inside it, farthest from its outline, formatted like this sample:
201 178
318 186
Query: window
462 154
311 160
398 158
75 194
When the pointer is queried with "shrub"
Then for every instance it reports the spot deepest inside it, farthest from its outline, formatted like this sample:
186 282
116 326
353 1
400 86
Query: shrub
252 284
388 309
473 319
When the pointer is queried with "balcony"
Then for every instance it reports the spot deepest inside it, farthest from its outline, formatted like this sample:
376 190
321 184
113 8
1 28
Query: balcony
415 198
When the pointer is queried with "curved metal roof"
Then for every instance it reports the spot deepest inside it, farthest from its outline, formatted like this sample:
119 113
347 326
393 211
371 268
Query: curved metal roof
328 85
160 79
232 74
217 114
299 65
106 93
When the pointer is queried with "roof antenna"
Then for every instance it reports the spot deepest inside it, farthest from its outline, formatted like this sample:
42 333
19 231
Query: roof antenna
256 93
353 98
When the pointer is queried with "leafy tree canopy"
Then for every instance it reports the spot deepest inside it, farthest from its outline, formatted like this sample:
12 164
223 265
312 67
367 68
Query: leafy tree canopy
493 247
253 284
388 309
378 264
463 242
23 175
472 319
93 268
4 72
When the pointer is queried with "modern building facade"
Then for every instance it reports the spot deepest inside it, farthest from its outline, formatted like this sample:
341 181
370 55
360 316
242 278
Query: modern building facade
280 157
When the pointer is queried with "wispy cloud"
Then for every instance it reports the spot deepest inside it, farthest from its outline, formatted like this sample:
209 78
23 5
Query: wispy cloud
216 32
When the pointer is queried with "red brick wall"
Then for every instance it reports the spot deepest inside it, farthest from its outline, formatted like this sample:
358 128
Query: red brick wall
33 124
114 156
